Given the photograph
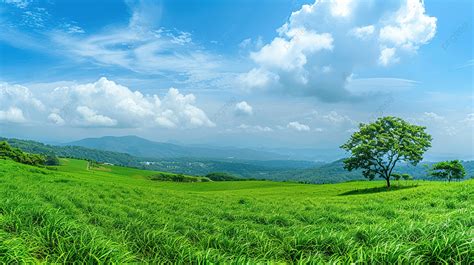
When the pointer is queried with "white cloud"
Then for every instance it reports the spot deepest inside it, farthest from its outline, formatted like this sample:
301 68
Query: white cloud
337 118
258 78
363 32
437 124
142 47
301 61
255 128
56 119
432 116
290 51
91 118
17 103
341 8
409 27
251 44
387 56
298 126
72 29
243 108
18 95
469 118
13 114
104 104
18 3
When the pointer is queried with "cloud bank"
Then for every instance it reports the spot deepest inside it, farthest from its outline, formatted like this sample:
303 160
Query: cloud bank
103 103
322 45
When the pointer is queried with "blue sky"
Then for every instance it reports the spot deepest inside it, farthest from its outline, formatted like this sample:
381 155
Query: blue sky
280 73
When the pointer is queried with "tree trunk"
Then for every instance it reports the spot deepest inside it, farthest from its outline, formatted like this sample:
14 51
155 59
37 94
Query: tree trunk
388 182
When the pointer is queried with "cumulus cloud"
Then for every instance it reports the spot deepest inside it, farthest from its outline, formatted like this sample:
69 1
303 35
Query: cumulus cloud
387 56
321 45
243 109
469 118
103 103
258 78
290 52
409 27
294 125
17 103
13 114
56 119
91 118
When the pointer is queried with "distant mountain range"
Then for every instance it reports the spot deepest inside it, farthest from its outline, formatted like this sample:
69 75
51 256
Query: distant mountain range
140 147
136 152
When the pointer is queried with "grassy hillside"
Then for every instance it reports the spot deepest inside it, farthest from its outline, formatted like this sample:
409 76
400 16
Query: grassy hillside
114 214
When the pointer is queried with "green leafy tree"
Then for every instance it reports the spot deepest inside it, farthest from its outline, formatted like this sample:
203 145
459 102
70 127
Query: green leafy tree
6 151
448 170
396 176
407 177
51 160
377 147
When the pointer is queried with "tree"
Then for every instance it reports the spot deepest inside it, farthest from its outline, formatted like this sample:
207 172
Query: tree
377 147
6 151
51 160
407 177
448 170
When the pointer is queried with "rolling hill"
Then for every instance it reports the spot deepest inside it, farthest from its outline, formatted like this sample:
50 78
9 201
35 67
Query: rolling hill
279 170
75 214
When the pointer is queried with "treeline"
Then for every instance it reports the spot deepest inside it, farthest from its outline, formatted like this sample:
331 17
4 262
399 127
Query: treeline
222 176
75 152
321 173
15 154
177 178
215 176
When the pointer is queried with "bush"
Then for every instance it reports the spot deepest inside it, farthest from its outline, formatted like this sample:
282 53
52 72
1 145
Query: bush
221 176
51 160
15 154
174 177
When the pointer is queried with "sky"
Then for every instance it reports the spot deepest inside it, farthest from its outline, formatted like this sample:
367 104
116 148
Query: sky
275 74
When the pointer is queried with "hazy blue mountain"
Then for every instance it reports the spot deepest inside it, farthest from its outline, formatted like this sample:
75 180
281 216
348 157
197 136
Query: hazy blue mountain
280 170
335 172
137 146
311 154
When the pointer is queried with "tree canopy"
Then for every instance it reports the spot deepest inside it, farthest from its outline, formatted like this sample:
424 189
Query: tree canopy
448 170
377 147
6 151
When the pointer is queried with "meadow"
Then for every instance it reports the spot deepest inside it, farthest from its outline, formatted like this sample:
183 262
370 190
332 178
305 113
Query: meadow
74 213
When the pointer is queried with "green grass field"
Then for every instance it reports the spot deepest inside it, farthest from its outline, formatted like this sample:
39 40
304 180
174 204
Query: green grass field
115 214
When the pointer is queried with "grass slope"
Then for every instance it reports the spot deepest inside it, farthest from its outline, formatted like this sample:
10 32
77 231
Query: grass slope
117 215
